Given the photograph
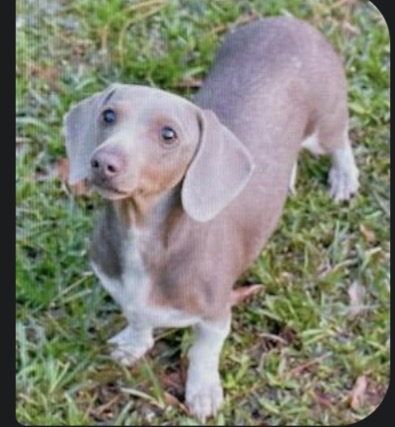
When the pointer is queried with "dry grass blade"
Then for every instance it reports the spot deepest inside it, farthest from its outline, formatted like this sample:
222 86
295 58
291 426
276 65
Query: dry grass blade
144 4
174 402
355 293
189 83
142 395
358 392
274 338
342 3
244 19
99 411
300 368
367 233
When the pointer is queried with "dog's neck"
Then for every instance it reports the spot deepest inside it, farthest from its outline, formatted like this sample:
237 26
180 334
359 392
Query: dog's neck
141 210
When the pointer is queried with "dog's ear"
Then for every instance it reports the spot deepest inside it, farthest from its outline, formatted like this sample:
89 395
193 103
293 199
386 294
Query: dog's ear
80 132
219 171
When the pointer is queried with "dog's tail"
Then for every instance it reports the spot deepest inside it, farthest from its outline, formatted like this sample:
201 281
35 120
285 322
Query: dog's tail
240 294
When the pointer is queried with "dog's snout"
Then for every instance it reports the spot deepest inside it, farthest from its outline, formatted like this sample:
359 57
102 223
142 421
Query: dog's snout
106 164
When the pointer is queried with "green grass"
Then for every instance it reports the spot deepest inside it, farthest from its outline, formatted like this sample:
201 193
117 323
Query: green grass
295 352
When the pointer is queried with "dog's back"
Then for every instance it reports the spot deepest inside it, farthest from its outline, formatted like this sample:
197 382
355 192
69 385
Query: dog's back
274 70
275 83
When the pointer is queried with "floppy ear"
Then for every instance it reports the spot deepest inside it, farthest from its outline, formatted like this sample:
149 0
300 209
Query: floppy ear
219 171
80 131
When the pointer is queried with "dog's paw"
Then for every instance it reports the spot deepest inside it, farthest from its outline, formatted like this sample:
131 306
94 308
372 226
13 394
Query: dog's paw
127 355
122 337
343 183
128 348
204 400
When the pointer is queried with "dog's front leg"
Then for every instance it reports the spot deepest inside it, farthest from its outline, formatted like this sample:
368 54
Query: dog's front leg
204 393
132 342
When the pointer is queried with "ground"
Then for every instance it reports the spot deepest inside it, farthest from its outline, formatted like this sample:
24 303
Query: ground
313 347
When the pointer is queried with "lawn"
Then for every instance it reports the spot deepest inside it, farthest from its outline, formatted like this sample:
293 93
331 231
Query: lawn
313 348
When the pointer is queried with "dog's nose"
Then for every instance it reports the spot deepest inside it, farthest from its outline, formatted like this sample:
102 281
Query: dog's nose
106 164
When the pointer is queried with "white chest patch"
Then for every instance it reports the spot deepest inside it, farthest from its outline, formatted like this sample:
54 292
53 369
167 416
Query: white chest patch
131 292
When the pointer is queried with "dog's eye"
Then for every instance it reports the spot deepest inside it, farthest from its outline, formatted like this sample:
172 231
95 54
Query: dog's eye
168 134
108 116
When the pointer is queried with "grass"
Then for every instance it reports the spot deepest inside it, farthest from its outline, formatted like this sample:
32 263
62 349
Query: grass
297 352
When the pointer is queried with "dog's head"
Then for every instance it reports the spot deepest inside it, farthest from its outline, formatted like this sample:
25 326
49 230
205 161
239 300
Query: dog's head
131 140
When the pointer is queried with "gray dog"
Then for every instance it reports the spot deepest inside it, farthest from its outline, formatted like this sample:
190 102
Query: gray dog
196 189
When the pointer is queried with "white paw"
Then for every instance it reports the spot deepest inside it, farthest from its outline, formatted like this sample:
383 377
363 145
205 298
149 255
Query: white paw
122 337
204 399
343 183
127 355
129 347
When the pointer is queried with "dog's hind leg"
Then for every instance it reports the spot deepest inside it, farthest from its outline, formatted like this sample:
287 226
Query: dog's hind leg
343 175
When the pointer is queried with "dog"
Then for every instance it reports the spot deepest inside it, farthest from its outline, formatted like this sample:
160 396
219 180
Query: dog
195 189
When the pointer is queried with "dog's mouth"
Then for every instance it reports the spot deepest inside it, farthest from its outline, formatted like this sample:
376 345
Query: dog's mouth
111 193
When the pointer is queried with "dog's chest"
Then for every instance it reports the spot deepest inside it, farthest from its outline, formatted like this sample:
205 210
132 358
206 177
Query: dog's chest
132 289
